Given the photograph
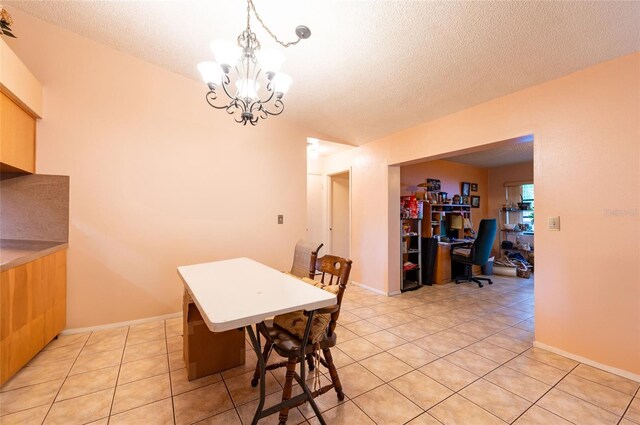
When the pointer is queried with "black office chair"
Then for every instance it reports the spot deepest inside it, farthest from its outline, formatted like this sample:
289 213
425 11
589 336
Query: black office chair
477 253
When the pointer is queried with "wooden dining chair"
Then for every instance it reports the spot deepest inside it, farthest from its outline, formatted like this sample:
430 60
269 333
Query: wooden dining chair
304 258
286 332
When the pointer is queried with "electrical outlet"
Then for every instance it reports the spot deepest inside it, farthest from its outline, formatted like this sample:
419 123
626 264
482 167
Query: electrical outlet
554 223
280 219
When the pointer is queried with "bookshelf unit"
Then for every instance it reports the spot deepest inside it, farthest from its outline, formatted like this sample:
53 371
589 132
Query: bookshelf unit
411 253
439 217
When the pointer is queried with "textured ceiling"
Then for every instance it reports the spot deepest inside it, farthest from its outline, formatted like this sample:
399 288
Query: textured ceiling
372 67
326 148
496 157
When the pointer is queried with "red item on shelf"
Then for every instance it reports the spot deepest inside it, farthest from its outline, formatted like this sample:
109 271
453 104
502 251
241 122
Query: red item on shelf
409 205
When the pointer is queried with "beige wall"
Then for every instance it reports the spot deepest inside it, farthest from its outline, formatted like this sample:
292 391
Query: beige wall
587 171
451 175
158 178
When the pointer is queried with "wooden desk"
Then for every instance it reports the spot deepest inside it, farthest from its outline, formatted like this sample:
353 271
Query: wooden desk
442 269
240 292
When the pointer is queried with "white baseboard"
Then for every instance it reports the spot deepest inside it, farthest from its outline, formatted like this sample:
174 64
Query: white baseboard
120 324
614 370
377 291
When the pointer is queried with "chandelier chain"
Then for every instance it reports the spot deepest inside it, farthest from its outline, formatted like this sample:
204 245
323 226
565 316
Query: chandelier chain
251 6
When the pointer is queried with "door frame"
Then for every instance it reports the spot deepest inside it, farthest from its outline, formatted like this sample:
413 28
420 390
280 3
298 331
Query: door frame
329 215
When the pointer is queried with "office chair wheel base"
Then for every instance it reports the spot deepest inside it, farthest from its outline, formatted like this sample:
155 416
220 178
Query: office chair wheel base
254 382
480 285
490 282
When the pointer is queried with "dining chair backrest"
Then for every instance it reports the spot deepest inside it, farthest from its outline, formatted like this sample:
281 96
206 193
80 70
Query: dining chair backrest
334 271
304 259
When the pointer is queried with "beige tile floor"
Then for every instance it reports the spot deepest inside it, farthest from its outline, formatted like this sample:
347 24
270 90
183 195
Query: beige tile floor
452 354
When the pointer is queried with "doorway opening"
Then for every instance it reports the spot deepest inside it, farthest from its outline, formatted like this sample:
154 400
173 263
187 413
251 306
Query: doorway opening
340 214
457 192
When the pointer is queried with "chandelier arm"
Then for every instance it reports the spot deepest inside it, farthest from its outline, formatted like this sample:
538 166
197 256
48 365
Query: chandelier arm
271 91
224 87
232 107
243 105
266 28
211 96
279 105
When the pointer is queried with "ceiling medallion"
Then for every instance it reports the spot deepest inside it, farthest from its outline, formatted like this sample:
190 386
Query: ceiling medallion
238 70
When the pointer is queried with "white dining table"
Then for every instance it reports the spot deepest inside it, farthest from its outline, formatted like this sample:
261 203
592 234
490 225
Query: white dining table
240 293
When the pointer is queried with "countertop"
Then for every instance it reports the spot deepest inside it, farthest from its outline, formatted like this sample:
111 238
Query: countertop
14 252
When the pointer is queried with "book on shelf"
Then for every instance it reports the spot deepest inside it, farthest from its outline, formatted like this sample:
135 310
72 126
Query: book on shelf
408 265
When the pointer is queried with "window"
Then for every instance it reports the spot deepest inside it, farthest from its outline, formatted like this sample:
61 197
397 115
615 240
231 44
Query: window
517 193
527 196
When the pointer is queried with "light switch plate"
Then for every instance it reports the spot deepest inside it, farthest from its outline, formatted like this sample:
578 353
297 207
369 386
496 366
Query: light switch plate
554 223
280 219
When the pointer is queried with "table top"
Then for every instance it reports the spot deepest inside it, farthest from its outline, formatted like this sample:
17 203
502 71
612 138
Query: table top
240 292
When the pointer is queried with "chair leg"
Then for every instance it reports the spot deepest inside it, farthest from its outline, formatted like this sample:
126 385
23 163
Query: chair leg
265 356
288 386
310 362
473 279
333 372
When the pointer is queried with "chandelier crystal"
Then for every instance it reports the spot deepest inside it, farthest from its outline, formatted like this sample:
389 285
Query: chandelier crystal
240 71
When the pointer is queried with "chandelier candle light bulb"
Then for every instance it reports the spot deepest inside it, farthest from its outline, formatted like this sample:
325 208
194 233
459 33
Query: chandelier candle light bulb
242 65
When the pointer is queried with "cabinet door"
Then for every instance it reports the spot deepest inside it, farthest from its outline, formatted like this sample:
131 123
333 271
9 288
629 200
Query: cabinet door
33 300
17 138
55 317
442 272
22 317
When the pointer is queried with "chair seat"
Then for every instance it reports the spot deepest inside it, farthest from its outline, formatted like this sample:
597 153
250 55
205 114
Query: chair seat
286 344
464 252
295 322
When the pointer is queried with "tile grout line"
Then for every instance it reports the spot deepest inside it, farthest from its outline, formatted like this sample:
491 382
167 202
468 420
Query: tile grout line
535 403
629 405
124 349
166 342
605 385
65 378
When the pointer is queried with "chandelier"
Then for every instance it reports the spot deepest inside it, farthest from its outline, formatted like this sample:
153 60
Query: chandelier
239 70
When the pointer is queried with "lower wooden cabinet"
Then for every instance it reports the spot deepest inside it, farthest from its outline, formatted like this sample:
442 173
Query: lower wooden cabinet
33 300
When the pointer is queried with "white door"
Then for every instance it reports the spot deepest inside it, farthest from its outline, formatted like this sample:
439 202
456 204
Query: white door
339 218
314 208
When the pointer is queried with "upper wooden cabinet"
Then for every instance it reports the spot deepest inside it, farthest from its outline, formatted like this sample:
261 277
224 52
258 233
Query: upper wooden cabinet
17 138
20 106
